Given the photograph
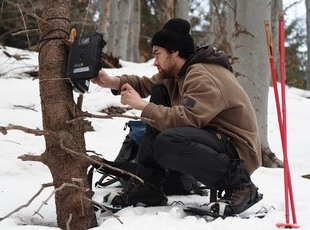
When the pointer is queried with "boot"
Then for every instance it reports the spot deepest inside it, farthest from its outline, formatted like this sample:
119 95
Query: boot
137 194
240 199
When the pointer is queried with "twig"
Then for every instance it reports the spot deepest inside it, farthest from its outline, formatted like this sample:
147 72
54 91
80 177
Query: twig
94 152
80 101
102 164
28 157
23 19
87 12
55 79
69 221
52 194
25 11
29 202
2 7
49 197
34 12
16 56
36 132
86 114
25 107
110 116
25 31
106 209
15 142
291 5
85 198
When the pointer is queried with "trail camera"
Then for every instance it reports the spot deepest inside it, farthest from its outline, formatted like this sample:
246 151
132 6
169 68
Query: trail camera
84 60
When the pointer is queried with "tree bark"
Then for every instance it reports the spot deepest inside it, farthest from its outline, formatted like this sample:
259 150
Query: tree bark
104 15
308 42
112 28
217 36
125 8
165 10
58 107
182 9
276 8
251 61
134 32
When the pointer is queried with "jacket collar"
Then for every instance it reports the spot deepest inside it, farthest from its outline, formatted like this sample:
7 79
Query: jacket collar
206 54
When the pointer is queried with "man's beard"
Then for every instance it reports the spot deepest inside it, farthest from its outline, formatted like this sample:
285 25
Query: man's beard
165 75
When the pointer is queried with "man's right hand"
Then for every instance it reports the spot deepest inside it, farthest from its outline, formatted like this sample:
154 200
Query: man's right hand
106 81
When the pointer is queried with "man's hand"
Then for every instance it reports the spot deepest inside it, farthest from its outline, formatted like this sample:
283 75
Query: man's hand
129 96
106 81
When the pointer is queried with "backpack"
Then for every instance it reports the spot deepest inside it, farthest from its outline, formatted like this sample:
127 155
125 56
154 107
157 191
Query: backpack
176 183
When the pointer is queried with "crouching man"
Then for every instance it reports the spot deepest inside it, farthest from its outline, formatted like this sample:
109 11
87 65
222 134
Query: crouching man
202 122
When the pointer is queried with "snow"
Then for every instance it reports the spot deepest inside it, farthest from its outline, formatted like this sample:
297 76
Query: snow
19 180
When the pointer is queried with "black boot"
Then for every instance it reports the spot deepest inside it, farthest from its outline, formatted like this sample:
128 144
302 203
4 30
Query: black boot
240 199
137 194
240 192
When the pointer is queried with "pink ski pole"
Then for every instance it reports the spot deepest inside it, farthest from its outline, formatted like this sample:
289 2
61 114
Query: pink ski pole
282 119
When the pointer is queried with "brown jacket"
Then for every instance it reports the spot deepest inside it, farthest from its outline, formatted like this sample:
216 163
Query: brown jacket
207 95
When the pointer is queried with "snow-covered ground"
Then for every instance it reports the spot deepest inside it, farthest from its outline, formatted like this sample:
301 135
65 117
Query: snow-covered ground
19 181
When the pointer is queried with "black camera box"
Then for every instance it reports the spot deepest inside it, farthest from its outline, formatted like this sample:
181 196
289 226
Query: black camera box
85 57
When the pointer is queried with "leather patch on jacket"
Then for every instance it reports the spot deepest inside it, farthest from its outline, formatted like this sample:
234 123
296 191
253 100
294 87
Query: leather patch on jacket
189 102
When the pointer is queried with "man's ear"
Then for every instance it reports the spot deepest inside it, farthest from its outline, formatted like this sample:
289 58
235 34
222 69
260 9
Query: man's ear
175 53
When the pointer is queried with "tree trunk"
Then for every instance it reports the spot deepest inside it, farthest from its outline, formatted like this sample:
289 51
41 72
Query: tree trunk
214 25
165 12
125 8
112 28
276 8
104 15
182 9
57 108
308 42
217 36
251 61
134 33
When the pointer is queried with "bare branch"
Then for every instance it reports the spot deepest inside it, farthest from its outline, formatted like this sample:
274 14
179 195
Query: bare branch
240 29
93 161
53 193
85 198
29 202
291 5
109 116
80 101
34 12
45 202
102 207
2 7
25 32
69 221
87 12
86 114
25 11
25 25
36 132
28 157
94 152
16 56
25 107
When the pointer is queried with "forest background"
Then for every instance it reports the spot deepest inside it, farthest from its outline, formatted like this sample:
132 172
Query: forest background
235 26
129 25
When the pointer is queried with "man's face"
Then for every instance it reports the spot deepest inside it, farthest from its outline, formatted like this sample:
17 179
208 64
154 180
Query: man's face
164 61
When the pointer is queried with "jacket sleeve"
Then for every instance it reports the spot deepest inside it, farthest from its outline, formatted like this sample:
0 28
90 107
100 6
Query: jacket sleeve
200 101
143 85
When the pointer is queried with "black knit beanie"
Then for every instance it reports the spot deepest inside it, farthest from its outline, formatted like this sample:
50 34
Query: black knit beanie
174 36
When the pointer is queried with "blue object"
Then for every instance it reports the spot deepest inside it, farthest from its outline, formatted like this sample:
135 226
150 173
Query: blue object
137 130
